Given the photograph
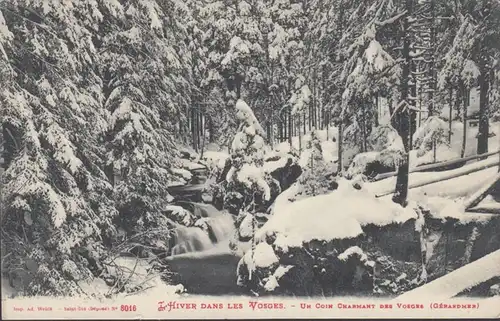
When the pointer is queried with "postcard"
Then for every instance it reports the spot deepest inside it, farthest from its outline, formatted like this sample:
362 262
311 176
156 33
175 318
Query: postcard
279 159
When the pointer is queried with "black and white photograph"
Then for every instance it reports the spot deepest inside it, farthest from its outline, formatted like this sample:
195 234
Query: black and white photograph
249 158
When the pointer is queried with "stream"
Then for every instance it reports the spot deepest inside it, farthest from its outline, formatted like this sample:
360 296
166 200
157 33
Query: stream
201 261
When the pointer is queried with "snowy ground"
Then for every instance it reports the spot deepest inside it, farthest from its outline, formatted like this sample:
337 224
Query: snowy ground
214 157
471 142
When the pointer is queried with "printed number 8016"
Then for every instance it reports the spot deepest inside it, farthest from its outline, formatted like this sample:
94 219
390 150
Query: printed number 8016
128 307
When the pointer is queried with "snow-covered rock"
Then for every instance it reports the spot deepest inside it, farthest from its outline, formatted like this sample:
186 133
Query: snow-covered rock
342 214
348 241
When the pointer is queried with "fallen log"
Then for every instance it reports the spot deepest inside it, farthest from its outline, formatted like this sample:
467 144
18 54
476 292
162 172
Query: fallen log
484 210
440 179
453 283
479 195
435 166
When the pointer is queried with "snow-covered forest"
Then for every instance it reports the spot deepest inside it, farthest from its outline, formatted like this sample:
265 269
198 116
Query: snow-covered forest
142 130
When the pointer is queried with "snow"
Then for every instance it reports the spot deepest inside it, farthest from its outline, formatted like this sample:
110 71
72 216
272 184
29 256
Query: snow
59 213
443 153
272 281
443 208
432 130
300 98
250 174
445 199
191 165
122 112
5 35
215 159
246 226
153 15
137 272
457 281
271 166
264 255
340 214
183 173
180 213
360 161
286 197
377 57
271 284
450 186
284 242
63 148
320 133
351 251
248 151
329 150
305 158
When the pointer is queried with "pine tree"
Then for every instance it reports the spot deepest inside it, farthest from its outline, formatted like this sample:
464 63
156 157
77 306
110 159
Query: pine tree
247 156
57 197
246 178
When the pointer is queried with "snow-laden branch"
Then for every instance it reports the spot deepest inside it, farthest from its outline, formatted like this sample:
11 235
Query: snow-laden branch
391 20
400 105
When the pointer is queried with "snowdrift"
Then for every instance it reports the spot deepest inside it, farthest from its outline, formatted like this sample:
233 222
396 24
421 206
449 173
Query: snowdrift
337 215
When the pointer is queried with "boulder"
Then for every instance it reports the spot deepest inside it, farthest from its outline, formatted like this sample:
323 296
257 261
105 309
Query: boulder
383 261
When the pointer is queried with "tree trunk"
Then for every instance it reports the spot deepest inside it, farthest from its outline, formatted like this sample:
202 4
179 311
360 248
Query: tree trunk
420 108
284 127
311 104
413 102
450 116
202 140
193 128
402 117
200 130
271 120
483 130
390 105
464 122
304 122
363 125
187 122
2 166
300 136
280 127
432 67
339 148
179 132
290 125
323 102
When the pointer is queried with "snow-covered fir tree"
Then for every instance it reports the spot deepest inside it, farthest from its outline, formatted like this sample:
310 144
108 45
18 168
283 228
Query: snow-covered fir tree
317 177
58 205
